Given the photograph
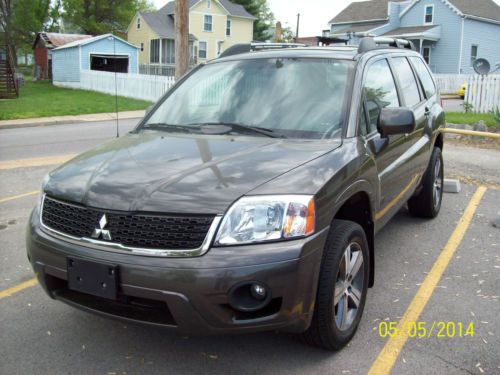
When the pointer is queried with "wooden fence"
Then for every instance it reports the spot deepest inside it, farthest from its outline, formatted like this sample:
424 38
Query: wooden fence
136 86
483 92
449 83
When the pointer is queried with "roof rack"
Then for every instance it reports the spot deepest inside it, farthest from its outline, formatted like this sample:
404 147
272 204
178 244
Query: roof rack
248 47
370 43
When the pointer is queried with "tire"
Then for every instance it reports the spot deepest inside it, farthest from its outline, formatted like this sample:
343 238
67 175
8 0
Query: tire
328 330
428 202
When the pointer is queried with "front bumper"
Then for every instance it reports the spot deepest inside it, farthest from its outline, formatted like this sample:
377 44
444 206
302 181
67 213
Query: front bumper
191 294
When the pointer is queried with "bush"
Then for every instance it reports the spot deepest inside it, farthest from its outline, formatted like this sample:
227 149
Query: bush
496 115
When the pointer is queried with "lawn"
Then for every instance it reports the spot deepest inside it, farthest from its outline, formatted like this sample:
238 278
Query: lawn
42 99
470 118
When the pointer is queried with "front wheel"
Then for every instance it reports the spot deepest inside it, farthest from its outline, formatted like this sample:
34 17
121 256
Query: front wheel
428 202
342 287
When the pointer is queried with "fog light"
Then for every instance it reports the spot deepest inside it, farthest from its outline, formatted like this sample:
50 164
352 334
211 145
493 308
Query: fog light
258 292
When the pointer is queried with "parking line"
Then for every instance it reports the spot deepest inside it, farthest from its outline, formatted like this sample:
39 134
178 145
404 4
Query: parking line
18 288
35 162
392 348
3 200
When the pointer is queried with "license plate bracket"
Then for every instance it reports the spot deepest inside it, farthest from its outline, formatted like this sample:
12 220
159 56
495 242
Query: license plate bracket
97 279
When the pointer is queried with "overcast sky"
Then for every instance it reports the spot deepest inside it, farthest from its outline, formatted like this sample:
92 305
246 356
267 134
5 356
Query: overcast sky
314 14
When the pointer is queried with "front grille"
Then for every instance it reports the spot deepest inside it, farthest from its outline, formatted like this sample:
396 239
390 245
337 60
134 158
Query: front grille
146 231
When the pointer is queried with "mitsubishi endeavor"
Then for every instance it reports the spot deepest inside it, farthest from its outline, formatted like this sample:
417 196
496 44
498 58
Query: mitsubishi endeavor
249 196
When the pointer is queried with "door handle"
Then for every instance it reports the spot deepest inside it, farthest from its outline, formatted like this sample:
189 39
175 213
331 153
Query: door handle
427 111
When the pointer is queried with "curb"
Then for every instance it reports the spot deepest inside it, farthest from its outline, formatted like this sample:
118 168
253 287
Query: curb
66 120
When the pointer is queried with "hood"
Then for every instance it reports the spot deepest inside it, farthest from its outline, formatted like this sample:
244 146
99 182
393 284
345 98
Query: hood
157 172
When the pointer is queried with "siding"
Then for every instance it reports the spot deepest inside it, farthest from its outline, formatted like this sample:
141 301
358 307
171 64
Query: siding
446 52
486 36
142 35
105 46
66 65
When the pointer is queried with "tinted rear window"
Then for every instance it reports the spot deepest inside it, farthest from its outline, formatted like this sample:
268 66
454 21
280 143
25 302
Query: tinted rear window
407 80
424 75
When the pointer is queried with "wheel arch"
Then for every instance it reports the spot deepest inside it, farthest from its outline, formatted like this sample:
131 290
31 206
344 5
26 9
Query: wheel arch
356 205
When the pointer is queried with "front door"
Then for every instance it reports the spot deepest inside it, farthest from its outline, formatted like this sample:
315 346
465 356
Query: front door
395 173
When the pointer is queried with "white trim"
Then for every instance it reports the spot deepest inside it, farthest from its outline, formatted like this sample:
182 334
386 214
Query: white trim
450 5
425 14
461 46
83 42
482 19
211 23
353 22
110 54
206 50
423 53
379 27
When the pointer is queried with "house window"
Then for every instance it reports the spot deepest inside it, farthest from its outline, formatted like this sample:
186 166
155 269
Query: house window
202 50
138 22
209 4
228 28
142 47
473 54
154 51
426 53
429 14
207 23
167 51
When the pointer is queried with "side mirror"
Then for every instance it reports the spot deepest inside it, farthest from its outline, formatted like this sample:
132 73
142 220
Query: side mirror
148 110
395 121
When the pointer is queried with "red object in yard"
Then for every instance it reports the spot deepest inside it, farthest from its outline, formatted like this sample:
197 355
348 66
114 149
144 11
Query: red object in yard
44 42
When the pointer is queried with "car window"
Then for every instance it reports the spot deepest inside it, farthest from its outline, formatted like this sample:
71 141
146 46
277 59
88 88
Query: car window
407 80
297 98
379 91
424 76
363 126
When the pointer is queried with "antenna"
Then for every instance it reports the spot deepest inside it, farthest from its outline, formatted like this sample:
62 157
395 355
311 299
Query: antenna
116 87
481 66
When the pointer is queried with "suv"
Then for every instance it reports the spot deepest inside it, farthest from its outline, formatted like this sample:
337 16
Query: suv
249 196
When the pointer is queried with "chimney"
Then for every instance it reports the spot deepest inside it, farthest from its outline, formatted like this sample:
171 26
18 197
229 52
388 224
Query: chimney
278 32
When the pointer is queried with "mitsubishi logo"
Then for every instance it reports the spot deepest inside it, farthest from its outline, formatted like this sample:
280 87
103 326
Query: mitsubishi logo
101 232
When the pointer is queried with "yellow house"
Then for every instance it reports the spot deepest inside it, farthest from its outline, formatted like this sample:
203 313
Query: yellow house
214 25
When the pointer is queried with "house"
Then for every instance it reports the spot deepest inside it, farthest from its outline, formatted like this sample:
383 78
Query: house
450 34
104 52
214 26
42 47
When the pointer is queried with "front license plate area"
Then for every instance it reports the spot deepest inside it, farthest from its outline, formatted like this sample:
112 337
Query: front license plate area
92 278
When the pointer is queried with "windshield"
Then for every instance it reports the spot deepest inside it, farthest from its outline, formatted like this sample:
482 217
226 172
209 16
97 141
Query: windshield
292 98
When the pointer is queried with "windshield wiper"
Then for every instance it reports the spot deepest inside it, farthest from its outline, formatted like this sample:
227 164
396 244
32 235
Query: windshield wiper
256 129
164 126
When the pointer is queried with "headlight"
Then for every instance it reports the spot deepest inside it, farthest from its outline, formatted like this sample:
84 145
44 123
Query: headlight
265 218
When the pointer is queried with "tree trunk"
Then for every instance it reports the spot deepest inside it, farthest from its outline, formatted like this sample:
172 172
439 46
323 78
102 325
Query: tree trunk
181 18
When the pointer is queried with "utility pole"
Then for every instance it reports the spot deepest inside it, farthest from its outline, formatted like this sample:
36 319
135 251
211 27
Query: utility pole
297 31
181 19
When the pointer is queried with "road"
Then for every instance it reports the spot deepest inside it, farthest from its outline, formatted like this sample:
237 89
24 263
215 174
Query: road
453 105
42 336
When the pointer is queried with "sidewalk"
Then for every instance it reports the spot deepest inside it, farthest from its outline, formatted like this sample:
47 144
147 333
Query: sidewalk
60 120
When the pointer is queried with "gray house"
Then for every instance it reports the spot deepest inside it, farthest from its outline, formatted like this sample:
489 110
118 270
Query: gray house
450 34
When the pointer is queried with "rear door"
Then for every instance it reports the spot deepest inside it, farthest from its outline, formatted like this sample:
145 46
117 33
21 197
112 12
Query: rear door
414 99
395 175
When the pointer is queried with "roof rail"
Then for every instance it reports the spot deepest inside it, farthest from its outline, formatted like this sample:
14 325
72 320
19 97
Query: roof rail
248 47
370 43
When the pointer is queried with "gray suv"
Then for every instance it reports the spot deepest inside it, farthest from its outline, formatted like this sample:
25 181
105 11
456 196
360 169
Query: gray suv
248 198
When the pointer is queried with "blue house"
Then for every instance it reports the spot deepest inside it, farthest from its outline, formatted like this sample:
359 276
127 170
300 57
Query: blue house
450 34
104 52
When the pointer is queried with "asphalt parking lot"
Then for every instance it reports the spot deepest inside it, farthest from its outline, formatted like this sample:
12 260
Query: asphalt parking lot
451 265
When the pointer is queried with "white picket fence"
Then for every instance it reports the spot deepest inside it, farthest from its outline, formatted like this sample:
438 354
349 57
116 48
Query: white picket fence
483 92
449 83
136 86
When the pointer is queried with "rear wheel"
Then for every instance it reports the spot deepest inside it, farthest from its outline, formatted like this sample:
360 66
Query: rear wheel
342 287
428 202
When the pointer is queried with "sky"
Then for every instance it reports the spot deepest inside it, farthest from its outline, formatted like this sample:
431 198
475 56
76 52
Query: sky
314 14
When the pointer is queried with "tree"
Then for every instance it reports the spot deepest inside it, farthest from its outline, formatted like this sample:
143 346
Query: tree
102 16
265 18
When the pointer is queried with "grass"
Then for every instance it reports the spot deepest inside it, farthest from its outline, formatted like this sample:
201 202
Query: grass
470 118
42 99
